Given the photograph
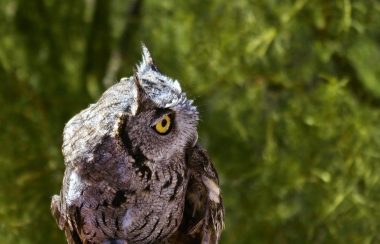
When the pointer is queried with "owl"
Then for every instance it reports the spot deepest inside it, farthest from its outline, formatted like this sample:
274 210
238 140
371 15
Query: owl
134 170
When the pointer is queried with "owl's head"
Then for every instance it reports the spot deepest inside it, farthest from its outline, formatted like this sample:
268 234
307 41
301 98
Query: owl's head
164 122
146 115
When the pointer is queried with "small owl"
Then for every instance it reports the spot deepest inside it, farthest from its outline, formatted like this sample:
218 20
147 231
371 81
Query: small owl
135 172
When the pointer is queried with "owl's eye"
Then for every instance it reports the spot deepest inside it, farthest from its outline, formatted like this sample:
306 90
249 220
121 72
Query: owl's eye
164 125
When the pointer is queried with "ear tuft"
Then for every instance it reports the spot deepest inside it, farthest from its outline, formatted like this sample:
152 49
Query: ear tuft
147 61
146 55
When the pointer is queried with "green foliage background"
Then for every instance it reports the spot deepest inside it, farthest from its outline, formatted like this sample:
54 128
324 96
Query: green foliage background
288 91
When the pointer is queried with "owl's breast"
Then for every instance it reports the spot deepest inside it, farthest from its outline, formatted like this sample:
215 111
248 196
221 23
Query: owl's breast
149 207
158 210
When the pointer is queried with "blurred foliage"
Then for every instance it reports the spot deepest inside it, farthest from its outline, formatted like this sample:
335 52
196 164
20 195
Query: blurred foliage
288 91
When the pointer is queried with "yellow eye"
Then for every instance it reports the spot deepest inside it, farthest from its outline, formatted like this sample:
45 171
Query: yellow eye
164 125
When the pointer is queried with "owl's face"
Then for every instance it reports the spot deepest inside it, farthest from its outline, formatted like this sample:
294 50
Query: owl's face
165 122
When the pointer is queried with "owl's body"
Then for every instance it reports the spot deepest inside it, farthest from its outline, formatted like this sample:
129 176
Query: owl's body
134 170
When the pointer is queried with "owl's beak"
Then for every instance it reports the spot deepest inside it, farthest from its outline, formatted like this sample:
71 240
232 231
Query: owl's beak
195 140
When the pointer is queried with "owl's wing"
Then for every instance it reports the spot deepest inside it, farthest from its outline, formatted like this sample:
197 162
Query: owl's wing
204 212
59 210
71 234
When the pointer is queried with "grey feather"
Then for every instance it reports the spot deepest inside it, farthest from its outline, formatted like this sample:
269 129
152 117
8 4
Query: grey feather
128 182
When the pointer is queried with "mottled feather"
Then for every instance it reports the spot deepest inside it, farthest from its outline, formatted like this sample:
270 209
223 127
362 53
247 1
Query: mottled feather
127 183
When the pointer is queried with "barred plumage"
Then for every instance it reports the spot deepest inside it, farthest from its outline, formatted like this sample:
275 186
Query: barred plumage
127 182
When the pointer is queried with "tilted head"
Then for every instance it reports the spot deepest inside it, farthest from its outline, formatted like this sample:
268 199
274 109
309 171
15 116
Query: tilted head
165 120
146 114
